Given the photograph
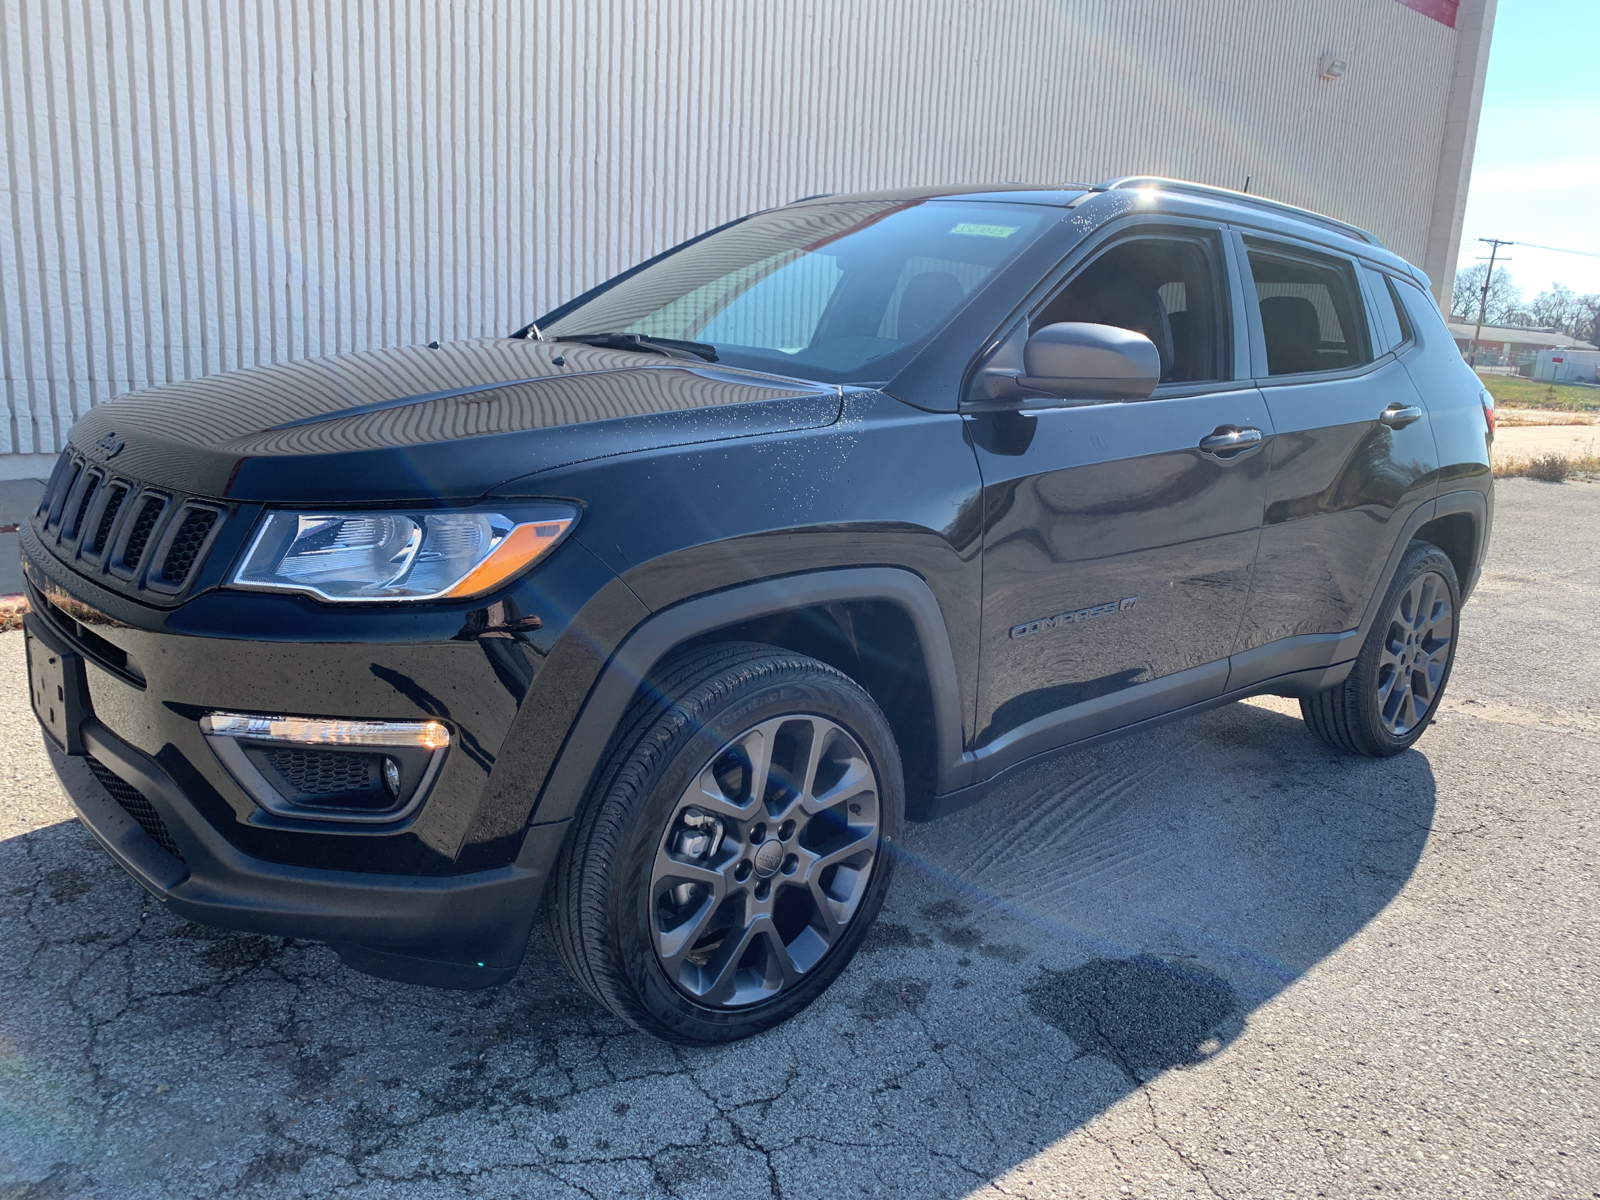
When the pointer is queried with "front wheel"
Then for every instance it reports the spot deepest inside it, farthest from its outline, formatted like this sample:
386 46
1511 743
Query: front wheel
1393 691
735 848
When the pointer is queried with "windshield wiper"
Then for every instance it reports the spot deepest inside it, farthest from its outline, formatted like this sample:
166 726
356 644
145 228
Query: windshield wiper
671 347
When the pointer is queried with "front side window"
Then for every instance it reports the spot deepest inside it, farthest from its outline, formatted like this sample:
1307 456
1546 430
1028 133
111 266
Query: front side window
1164 288
1309 314
842 293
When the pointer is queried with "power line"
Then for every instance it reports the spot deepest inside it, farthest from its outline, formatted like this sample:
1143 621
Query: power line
1555 249
1533 246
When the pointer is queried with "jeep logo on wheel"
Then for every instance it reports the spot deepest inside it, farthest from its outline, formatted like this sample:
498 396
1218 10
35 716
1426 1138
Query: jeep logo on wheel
769 858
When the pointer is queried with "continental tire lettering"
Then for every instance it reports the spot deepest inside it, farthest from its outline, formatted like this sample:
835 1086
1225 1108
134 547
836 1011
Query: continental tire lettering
1074 617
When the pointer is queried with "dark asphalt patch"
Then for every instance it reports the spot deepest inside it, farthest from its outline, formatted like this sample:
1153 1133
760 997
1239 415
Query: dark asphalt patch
891 997
1145 1015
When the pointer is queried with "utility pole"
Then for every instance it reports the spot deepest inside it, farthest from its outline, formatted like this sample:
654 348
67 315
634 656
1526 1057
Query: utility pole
1483 297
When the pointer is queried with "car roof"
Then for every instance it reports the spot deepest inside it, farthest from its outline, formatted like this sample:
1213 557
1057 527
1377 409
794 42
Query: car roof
1060 195
1174 196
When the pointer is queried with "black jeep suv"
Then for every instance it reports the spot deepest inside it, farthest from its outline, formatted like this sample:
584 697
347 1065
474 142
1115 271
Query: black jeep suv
668 609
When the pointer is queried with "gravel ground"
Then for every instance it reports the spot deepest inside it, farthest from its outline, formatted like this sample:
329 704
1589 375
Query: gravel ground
1529 441
1213 960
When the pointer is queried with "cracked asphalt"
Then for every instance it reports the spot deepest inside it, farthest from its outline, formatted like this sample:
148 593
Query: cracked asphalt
1212 960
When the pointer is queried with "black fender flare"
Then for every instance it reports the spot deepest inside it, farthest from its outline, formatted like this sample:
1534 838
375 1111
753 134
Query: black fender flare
1469 501
654 637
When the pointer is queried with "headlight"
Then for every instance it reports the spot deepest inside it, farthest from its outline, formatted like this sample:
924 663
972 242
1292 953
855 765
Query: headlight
361 557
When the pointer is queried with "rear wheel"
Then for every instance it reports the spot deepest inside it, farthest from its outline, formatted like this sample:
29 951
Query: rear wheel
735 848
1393 691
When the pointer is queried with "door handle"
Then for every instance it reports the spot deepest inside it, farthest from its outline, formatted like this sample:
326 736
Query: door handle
1230 442
1397 416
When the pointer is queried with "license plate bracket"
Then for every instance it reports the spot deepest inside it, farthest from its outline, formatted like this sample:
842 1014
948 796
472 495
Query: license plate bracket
56 686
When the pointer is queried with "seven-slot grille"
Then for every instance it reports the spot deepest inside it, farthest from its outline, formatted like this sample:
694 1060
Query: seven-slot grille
131 536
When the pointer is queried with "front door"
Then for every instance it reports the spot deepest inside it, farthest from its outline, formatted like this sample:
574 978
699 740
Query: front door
1119 537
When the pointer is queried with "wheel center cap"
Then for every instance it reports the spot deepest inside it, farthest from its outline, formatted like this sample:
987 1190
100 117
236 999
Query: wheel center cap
769 857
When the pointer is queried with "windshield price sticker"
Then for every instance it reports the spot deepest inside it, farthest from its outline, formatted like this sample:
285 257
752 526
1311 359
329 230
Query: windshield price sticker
967 229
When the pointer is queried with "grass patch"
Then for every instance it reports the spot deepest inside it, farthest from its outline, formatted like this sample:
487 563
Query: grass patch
1549 468
1516 392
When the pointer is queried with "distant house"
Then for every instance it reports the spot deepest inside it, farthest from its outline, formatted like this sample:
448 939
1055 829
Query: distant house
1500 346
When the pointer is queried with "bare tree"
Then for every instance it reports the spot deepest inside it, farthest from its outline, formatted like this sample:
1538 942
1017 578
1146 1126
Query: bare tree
1561 308
1587 324
1555 308
1505 297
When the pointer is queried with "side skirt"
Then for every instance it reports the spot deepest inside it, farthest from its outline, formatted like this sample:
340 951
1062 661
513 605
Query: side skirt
1293 683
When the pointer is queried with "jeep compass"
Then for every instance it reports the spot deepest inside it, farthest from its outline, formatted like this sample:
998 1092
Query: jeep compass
662 614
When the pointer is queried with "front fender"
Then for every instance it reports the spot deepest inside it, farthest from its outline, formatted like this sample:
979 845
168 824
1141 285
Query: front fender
568 779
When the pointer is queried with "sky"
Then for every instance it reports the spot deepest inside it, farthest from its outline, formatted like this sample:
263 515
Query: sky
1536 172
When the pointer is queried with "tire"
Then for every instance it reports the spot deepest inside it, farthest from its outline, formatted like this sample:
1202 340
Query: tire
691 906
1392 693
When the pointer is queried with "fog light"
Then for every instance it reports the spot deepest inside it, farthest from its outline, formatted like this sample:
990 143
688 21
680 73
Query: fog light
329 770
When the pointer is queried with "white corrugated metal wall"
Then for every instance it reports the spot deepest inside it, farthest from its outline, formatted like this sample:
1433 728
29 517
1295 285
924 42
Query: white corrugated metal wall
190 186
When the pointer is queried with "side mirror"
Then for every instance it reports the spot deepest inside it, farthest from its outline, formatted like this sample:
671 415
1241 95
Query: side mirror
1079 361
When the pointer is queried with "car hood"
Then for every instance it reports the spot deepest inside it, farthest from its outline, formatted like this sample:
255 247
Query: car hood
414 422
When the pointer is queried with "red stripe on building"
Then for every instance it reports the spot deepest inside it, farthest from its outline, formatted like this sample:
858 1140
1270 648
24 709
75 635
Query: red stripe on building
1443 11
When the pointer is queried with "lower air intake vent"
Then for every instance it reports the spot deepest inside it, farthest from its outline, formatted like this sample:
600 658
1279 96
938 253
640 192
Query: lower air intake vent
140 809
321 772
193 528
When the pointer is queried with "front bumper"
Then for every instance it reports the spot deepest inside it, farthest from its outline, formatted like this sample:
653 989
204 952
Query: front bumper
463 931
445 894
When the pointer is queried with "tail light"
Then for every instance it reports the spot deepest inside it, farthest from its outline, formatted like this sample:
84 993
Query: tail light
1488 410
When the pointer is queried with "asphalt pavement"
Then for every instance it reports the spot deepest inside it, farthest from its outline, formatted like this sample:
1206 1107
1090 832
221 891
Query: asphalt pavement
19 499
1213 960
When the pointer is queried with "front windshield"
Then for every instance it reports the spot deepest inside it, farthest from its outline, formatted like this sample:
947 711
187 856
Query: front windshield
842 293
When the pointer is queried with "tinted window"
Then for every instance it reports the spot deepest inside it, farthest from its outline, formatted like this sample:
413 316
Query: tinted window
1164 288
1309 314
839 292
1384 325
1400 313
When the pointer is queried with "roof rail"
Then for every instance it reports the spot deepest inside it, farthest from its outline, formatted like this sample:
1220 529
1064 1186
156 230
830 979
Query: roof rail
1233 197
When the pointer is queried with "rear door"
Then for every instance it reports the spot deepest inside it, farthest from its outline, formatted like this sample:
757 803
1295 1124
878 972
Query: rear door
1351 457
1119 536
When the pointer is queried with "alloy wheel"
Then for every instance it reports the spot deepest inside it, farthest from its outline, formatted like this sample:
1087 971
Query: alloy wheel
765 861
1416 653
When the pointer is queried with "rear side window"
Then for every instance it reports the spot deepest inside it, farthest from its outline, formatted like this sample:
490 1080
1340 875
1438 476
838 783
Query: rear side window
1310 314
1165 288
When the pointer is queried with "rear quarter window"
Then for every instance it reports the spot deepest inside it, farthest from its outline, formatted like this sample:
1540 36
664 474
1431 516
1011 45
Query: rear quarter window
1390 328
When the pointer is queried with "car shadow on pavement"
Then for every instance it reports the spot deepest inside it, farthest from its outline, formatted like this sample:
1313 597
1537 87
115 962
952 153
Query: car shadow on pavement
1106 917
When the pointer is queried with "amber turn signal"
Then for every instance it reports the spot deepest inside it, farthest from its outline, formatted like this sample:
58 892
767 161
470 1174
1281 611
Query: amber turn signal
517 551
